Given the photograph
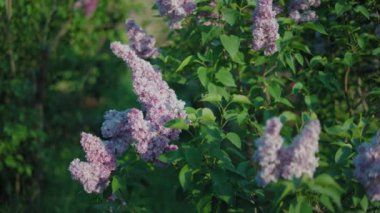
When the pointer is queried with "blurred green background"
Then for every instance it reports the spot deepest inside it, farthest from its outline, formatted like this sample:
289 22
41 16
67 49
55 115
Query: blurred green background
58 77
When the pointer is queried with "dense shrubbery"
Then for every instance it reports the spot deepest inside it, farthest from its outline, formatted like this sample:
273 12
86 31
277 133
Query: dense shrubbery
300 61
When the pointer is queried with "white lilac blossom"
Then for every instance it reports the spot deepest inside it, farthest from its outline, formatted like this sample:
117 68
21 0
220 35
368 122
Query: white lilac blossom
299 10
140 42
265 27
88 6
101 161
367 169
175 10
267 154
159 102
276 160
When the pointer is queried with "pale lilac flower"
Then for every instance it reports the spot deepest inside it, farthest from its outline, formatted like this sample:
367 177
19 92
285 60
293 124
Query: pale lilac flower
367 169
140 42
175 10
265 27
276 160
88 6
299 10
159 102
267 153
93 176
101 161
299 158
97 151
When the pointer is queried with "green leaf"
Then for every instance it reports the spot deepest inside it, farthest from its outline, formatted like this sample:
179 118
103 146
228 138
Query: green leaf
230 15
376 51
225 77
364 203
241 99
325 200
348 59
316 27
231 44
213 98
299 58
177 123
341 7
115 185
362 10
207 116
184 63
342 155
234 139
290 61
185 176
288 116
202 76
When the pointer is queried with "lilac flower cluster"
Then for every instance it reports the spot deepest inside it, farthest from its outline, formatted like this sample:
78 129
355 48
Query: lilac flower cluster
176 10
276 160
88 6
265 27
159 102
267 151
140 42
367 169
299 10
122 128
101 161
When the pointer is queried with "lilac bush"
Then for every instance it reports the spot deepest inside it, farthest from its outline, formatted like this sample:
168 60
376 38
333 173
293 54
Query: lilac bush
220 66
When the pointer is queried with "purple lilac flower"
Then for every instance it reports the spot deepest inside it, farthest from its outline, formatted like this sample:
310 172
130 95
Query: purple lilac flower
121 128
89 6
367 169
299 158
140 42
93 176
266 153
159 102
299 10
101 161
265 27
176 10
276 160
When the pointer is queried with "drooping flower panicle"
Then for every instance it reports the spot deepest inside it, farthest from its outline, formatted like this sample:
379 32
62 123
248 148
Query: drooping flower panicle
265 27
159 103
299 158
175 10
295 160
267 153
140 42
367 169
300 10
122 128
